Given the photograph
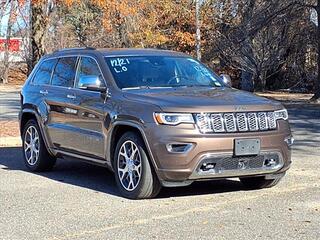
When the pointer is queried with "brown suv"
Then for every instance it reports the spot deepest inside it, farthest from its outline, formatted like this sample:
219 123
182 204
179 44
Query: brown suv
156 118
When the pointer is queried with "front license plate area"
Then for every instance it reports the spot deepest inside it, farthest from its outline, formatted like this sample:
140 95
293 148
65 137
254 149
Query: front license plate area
246 147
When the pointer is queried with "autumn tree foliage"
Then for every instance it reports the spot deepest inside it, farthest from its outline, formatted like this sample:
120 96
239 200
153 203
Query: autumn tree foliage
265 44
163 24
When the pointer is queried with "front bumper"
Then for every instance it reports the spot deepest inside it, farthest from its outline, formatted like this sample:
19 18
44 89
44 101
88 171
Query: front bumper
184 167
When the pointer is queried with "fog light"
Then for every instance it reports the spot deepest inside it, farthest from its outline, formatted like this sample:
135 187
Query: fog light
207 166
270 162
289 141
179 147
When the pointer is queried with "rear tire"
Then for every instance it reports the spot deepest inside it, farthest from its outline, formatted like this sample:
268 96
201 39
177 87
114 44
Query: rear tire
36 156
259 182
134 175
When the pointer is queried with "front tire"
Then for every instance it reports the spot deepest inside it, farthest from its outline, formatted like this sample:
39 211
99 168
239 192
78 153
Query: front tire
134 175
259 182
36 156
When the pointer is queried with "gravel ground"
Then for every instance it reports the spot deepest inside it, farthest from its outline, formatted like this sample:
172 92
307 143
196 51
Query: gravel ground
80 201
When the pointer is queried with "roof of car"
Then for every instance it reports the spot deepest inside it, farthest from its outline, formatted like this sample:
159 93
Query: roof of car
109 52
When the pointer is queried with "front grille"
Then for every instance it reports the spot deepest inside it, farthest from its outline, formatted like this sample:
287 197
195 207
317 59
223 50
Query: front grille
232 163
223 165
236 122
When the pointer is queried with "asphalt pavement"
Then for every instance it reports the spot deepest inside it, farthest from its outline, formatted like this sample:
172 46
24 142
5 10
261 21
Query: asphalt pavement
80 201
9 104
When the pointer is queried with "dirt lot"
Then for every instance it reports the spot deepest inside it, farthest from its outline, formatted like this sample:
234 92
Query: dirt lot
80 201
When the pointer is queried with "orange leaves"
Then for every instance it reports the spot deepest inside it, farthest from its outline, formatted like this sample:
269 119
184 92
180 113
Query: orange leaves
185 38
145 23
114 12
69 3
165 23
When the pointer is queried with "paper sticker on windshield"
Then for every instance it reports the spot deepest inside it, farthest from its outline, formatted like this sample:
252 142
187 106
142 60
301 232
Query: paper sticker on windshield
202 70
120 64
205 72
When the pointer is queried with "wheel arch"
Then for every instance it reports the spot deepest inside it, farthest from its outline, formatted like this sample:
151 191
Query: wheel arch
118 129
28 114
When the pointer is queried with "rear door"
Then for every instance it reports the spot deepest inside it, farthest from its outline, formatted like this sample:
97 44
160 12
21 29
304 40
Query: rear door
39 88
61 99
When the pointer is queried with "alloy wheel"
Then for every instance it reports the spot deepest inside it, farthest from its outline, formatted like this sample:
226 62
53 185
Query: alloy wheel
31 145
129 165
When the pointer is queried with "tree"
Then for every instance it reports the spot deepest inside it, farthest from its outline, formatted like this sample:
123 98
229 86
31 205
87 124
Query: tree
166 24
315 6
40 13
10 6
316 95
256 37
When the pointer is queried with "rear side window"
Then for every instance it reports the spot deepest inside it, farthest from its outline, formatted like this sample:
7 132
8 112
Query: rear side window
89 67
65 72
43 74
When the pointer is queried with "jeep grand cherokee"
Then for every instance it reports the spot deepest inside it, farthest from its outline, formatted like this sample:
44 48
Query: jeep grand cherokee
155 118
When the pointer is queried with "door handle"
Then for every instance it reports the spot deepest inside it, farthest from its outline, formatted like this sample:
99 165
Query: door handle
71 96
43 92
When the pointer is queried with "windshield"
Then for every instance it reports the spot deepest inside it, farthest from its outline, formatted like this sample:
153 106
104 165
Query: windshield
160 71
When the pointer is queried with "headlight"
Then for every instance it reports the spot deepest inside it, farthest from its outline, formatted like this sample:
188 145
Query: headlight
281 114
173 118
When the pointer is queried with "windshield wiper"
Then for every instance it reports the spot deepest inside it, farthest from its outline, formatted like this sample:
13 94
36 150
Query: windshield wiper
145 87
192 85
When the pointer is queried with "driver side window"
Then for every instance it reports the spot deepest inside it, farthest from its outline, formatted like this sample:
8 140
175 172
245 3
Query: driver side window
88 67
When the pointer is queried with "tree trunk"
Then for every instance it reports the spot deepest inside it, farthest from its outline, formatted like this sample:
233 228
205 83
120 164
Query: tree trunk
246 81
316 95
198 31
39 23
260 81
6 57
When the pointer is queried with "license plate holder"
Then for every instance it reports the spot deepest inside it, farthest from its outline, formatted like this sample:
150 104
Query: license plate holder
246 147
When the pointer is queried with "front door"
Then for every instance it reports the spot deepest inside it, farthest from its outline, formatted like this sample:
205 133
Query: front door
90 108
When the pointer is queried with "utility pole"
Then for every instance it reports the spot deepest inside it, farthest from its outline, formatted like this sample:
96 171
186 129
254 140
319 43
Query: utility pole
198 33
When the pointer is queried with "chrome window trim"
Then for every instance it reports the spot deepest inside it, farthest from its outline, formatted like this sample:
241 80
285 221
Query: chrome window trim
71 55
37 67
59 57
77 74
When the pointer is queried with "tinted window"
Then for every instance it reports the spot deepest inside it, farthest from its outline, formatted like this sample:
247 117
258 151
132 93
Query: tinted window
43 74
161 71
88 66
65 72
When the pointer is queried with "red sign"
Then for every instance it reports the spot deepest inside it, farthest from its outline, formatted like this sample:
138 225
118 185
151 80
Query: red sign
14 45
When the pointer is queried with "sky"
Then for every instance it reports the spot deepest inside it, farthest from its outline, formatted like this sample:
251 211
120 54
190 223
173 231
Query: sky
5 18
3 23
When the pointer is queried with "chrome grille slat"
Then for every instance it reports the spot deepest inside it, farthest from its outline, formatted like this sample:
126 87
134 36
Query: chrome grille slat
253 122
217 123
204 124
262 119
236 122
230 122
272 120
242 122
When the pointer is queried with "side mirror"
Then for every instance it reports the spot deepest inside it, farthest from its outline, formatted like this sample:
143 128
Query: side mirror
226 79
91 82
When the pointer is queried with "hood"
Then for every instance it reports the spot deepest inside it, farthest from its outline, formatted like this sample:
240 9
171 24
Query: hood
198 99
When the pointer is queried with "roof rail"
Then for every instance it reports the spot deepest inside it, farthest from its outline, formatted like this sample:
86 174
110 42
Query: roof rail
70 49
